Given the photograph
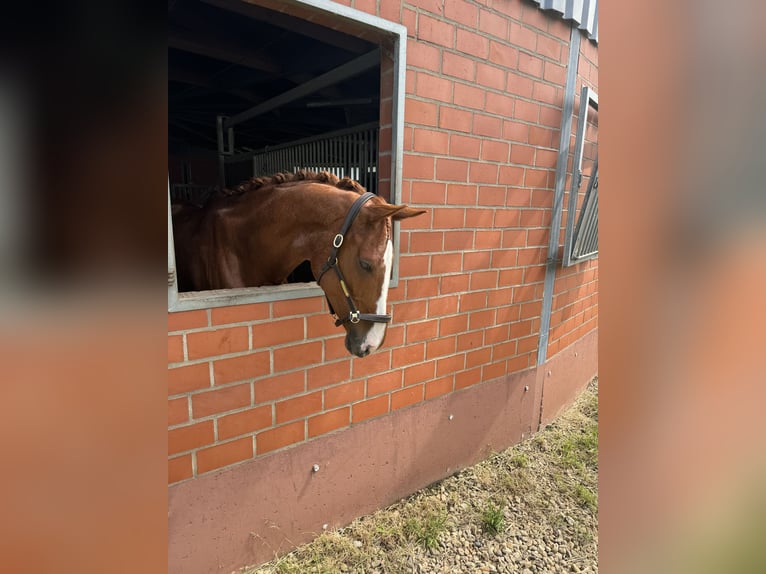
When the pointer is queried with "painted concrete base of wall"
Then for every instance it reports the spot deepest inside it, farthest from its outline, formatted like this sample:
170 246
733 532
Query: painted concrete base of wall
246 514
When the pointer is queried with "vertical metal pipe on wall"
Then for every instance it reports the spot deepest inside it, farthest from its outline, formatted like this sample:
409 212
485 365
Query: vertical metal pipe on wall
558 194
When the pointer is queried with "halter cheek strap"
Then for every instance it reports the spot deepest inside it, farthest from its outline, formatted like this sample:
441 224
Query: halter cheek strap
354 316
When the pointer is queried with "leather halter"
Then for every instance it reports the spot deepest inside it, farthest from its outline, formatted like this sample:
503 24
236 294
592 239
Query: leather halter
354 316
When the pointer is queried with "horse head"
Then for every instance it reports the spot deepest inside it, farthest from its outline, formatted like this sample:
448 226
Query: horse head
356 276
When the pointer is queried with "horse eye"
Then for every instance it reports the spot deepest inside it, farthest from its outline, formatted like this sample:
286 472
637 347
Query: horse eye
365 265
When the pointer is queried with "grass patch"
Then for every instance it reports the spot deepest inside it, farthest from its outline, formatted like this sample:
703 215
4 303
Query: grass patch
492 519
426 530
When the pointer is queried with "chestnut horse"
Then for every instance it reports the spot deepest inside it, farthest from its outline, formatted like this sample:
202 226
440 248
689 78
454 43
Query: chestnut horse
258 233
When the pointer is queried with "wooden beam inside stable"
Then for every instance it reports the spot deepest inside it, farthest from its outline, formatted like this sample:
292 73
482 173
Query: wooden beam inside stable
222 49
343 72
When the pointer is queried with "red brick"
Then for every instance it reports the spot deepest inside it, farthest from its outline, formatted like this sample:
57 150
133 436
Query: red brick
436 31
518 364
491 195
178 411
224 454
377 363
387 381
490 76
188 378
328 374
471 43
476 260
369 409
439 387
535 177
443 305
369 6
500 105
426 241
545 93
423 288
328 422
343 394
523 37
220 400
439 347
541 137
494 151
413 265
418 373
298 407
446 263
458 194
187 320
464 146
483 280
469 96
241 368
503 55
418 167
421 55
458 241
295 356
454 283
548 47
462 12
510 175
406 312
473 301
453 325
467 378
527 111
280 386
450 365
489 126
427 192
451 170
319 326
179 468
189 437
531 65
519 85
458 66
493 24
240 313
175 349
478 357
479 217
406 397
516 132
280 437
292 307
482 320
409 19
218 342
433 87
455 119
421 113
522 154
274 333
493 371
430 141
554 73
483 173
244 422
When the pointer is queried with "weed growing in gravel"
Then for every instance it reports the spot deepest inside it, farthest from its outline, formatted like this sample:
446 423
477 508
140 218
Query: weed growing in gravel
426 530
492 519
586 497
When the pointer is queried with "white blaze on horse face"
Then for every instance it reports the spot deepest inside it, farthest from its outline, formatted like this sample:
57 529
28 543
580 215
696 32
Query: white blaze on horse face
375 335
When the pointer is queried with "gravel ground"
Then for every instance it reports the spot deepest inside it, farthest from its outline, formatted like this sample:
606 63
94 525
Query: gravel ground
530 509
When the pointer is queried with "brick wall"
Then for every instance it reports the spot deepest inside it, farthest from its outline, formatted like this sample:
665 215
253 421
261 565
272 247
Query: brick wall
484 91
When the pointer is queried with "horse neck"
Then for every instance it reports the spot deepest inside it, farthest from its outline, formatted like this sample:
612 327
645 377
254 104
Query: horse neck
301 226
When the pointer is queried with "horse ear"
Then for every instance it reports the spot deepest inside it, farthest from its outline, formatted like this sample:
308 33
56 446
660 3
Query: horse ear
395 212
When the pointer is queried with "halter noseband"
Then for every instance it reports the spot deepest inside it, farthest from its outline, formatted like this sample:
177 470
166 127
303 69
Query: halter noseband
354 316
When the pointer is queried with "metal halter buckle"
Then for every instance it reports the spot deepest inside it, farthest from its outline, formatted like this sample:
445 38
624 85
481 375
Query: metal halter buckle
337 241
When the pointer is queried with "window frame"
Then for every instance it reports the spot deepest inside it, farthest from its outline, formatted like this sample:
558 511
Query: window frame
227 297
588 99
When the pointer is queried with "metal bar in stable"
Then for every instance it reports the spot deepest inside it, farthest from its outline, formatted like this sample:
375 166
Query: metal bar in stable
342 72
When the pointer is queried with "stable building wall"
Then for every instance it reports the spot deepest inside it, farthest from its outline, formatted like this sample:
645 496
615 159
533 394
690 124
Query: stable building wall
260 393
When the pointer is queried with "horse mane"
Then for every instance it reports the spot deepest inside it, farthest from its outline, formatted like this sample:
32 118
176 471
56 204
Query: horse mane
256 183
